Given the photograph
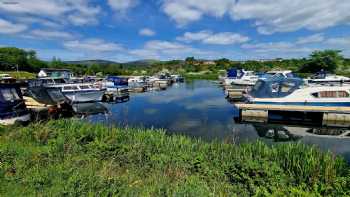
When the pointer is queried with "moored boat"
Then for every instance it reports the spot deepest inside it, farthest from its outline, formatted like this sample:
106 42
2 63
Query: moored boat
12 106
323 77
293 91
81 92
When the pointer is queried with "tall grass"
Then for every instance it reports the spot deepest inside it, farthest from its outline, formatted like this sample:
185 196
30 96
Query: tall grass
19 75
69 157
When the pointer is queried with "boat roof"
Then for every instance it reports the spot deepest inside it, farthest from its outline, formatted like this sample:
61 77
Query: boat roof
279 71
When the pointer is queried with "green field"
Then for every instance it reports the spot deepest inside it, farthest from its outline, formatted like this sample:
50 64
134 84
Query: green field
19 75
68 157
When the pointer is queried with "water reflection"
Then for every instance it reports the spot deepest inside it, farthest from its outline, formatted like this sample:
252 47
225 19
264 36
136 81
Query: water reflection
199 109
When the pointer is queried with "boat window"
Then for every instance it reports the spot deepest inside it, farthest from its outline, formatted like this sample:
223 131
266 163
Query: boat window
343 94
287 86
290 75
84 87
331 94
10 94
70 88
275 87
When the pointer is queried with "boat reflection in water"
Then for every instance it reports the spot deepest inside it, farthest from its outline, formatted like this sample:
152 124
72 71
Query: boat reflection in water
282 133
86 109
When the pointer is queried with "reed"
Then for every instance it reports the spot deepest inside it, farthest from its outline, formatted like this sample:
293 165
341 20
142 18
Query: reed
69 157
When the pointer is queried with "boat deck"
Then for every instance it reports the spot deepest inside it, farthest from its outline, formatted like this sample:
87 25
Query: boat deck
299 108
295 114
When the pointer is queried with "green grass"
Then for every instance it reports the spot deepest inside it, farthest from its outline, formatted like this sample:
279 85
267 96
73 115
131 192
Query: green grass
74 158
208 76
19 75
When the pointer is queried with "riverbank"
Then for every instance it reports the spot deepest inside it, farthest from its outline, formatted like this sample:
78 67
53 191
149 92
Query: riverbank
68 157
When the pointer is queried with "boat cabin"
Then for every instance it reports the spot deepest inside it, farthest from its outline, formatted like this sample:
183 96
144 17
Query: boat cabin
275 87
11 101
118 81
55 73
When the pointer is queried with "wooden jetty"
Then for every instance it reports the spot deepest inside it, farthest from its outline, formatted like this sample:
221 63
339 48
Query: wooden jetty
234 94
313 115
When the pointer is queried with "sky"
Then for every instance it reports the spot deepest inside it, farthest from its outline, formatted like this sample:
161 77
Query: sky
127 30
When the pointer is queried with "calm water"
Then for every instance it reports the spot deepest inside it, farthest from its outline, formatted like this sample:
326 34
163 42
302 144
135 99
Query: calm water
199 109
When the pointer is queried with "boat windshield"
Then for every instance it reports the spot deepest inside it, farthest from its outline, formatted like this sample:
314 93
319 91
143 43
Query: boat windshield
275 87
9 94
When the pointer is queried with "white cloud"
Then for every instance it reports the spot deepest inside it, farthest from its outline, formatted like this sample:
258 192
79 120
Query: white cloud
7 27
277 49
186 11
78 12
208 37
167 50
316 38
339 42
147 32
268 16
272 16
122 5
50 34
92 46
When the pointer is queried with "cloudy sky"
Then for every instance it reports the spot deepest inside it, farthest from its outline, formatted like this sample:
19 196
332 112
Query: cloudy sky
124 30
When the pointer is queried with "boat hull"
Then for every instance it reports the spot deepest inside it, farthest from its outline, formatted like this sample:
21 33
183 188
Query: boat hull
333 104
84 96
13 120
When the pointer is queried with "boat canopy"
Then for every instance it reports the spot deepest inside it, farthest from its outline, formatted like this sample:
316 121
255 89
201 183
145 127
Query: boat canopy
118 81
235 73
275 87
11 100
47 95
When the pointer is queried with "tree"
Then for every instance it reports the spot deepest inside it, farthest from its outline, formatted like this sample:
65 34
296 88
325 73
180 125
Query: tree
328 60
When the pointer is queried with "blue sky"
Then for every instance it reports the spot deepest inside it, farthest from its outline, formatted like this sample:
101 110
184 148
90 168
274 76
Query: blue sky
126 30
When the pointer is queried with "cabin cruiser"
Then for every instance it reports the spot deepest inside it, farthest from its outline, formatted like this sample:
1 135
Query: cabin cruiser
177 78
323 77
116 86
242 77
47 98
12 106
81 92
114 83
161 80
281 73
137 79
293 91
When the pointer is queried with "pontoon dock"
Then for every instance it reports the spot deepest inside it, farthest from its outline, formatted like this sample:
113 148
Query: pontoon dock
315 115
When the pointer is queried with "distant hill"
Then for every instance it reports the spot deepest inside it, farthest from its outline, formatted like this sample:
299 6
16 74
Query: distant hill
138 63
91 62
146 62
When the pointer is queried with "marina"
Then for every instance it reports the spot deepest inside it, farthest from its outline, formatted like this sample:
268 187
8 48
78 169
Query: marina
197 108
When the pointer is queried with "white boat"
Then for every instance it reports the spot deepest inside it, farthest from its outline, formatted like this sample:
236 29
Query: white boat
81 92
293 91
177 78
243 77
281 73
136 79
323 77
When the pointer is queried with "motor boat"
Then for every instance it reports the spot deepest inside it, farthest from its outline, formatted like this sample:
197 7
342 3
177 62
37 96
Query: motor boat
294 91
177 78
81 92
323 77
281 73
136 79
12 106
241 77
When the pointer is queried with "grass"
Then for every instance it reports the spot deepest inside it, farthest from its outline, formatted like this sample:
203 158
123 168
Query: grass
19 75
208 76
73 158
